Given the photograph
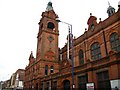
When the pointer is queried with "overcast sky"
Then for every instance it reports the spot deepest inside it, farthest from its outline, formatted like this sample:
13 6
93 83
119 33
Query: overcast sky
19 26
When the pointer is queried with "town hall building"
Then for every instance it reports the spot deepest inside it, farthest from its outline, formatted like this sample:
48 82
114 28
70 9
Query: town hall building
93 61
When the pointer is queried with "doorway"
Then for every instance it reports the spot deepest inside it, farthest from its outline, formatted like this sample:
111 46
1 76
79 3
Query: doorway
66 85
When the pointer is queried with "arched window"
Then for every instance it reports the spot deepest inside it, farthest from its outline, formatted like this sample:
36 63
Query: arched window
115 42
95 51
92 26
81 57
51 69
46 69
70 57
50 25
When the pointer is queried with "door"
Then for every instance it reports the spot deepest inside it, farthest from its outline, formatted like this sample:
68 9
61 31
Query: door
66 85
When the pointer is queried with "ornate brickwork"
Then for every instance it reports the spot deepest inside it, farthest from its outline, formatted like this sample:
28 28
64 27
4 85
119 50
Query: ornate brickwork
47 71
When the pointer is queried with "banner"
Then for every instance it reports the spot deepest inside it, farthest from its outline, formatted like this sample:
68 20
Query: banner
90 86
115 84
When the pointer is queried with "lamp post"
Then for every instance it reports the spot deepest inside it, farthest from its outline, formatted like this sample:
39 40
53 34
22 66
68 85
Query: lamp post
71 45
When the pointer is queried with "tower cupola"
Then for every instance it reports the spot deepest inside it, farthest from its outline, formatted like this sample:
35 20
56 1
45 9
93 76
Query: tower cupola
110 10
119 5
49 6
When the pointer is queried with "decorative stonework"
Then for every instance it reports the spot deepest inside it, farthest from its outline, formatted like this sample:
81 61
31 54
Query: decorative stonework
112 52
49 55
65 64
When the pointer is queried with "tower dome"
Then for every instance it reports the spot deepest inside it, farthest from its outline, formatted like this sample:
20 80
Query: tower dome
110 10
119 4
49 6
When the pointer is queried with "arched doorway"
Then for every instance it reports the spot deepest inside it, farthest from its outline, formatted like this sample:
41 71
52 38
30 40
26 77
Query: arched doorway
66 85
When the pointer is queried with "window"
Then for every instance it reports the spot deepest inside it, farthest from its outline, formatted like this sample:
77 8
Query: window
70 57
46 70
50 25
41 86
51 69
66 85
103 80
82 80
54 85
47 86
95 51
36 86
92 26
115 42
81 57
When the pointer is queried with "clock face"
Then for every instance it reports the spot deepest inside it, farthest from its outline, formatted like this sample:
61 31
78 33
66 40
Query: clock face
50 38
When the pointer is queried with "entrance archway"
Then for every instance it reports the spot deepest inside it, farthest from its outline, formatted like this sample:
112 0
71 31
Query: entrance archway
66 85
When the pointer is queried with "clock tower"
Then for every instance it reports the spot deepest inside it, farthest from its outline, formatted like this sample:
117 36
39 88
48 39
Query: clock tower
47 42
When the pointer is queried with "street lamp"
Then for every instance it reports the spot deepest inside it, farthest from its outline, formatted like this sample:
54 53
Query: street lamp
69 33
71 44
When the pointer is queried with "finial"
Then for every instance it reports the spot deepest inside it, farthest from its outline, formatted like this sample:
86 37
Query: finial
110 10
90 14
119 4
108 3
49 6
31 55
74 37
31 52
100 19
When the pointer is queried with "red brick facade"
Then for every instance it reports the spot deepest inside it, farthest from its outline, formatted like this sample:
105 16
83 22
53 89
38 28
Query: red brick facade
96 55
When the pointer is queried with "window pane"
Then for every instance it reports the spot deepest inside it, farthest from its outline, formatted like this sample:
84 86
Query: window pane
115 42
81 57
51 69
46 70
95 51
103 80
82 80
